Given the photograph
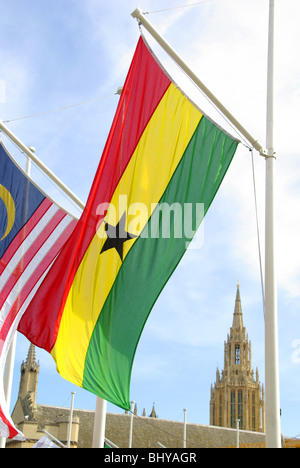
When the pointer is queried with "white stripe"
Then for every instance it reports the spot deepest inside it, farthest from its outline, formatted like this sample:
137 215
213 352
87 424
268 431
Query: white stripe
26 244
16 322
35 262
3 429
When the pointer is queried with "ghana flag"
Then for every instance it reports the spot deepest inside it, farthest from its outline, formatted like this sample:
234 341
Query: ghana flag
91 308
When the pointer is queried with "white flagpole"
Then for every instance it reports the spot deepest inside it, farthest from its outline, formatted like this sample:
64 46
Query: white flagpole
99 423
171 52
238 433
272 408
40 164
8 377
131 425
70 421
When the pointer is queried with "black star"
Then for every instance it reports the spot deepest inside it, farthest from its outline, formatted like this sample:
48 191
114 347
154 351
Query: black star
116 236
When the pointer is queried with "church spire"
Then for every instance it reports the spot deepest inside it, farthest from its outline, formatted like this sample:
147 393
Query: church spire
29 376
238 315
31 363
236 393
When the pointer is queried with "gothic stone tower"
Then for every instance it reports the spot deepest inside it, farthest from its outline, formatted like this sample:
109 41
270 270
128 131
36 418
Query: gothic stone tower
237 394
26 404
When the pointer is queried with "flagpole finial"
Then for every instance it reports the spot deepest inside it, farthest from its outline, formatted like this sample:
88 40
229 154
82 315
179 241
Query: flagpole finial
137 13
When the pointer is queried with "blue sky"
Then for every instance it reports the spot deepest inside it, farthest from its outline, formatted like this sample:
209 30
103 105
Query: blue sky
64 52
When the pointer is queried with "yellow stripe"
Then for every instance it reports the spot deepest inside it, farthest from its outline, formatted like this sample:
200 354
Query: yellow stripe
144 181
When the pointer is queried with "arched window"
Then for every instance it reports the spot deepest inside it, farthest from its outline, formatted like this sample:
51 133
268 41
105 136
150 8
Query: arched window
253 411
240 407
232 408
237 354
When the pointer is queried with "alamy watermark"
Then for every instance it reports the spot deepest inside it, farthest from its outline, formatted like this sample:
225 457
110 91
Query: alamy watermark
296 353
176 220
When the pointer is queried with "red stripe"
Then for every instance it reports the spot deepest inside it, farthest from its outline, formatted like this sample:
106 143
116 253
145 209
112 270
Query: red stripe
136 106
31 282
12 431
24 232
30 253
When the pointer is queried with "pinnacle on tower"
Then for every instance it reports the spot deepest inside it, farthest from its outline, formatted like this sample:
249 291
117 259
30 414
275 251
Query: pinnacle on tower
31 358
153 413
30 364
238 315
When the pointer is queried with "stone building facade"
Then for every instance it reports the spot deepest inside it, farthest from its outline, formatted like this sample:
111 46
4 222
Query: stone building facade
237 393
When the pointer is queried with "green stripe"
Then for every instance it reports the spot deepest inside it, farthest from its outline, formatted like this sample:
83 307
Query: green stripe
149 265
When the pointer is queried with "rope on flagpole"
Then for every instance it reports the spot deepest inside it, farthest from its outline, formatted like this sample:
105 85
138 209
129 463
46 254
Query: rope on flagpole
178 7
258 234
59 108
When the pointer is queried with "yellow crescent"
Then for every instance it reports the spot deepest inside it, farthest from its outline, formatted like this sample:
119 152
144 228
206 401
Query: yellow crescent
10 208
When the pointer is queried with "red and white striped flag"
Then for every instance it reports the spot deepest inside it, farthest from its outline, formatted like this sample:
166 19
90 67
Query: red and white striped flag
32 231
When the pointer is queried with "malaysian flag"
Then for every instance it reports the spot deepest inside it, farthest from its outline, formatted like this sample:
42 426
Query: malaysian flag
32 231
